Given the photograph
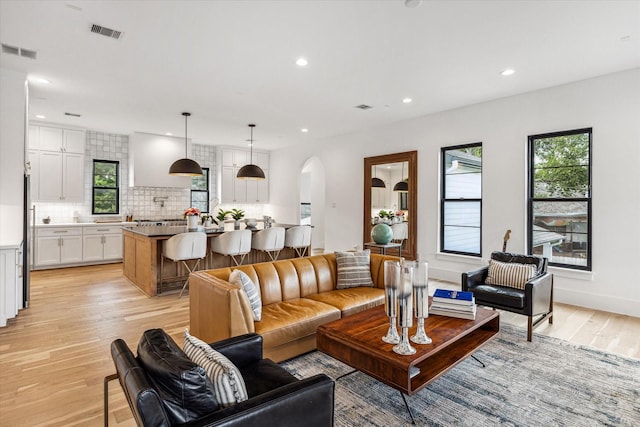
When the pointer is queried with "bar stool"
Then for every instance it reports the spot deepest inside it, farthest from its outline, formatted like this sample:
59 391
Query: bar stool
298 238
184 247
270 240
400 233
233 243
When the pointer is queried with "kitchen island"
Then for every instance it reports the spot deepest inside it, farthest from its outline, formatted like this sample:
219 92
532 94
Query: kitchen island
142 258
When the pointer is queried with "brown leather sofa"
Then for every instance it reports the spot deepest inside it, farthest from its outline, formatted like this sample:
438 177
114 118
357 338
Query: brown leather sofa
298 295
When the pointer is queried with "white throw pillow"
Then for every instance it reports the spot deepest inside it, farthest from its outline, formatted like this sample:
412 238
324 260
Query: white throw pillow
353 269
229 387
239 278
510 274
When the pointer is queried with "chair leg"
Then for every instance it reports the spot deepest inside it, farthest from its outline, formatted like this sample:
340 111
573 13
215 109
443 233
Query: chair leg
195 268
529 327
107 379
161 268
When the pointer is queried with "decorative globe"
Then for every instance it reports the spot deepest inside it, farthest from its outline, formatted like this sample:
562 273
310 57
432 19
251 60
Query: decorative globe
381 234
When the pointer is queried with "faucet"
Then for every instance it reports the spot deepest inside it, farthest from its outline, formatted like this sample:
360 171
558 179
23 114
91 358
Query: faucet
160 200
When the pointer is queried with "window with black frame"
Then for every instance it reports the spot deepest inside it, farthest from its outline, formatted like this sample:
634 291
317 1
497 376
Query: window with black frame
106 190
559 217
461 200
200 191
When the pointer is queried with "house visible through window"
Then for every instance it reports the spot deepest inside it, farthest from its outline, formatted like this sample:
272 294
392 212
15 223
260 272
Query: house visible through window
461 200
200 191
106 191
559 220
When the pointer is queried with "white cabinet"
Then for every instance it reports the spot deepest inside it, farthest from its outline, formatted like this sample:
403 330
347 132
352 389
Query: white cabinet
102 243
47 138
234 190
60 177
10 295
56 156
58 245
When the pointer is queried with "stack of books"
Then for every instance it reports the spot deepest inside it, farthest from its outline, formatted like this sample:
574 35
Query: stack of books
453 303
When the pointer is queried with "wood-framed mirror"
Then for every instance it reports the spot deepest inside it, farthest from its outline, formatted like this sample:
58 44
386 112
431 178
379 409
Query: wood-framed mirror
392 170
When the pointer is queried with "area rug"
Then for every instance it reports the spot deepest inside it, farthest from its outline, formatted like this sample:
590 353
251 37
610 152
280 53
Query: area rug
548 382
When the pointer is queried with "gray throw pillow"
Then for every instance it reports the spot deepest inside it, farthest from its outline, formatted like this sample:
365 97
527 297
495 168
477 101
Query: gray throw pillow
353 269
239 278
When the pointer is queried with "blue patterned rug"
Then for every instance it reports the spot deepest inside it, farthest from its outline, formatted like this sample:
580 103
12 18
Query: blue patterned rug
548 382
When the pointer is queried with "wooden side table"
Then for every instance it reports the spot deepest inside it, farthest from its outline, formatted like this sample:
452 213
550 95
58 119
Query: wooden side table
383 248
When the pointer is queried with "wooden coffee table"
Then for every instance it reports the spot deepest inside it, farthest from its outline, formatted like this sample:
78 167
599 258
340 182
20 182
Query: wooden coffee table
357 341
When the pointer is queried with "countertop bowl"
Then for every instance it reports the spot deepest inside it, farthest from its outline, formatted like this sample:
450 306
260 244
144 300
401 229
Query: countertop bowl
250 222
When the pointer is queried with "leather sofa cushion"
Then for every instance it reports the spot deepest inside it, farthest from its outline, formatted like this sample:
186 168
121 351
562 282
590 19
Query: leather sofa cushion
287 321
352 300
183 386
501 295
264 376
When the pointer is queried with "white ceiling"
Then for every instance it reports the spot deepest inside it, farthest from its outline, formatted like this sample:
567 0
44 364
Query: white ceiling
231 63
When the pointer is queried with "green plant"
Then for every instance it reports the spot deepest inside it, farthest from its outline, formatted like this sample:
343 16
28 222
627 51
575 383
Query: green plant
222 215
385 214
237 214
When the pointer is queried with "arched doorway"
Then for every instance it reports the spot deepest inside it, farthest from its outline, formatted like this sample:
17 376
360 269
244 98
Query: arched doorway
312 200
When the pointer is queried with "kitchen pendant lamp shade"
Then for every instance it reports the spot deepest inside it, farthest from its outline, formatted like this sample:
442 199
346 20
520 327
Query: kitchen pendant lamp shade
377 183
250 171
186 166
403 185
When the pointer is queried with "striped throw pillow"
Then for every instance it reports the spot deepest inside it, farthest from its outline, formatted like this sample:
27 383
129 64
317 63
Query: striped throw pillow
353 269
239 278
509 274
229 387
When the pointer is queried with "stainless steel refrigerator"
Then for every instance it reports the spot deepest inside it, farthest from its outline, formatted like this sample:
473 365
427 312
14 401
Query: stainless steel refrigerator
28 239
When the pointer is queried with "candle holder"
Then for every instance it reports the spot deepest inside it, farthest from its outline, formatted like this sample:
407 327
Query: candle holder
405 309
421 299
391 281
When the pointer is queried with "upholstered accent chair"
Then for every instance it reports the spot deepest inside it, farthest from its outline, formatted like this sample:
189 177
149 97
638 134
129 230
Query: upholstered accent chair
515 283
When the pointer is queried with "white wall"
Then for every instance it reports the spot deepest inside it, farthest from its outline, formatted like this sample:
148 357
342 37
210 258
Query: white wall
12 130
610 104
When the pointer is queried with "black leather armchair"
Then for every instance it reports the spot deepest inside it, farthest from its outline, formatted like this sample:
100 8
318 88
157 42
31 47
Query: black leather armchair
275 397
535 300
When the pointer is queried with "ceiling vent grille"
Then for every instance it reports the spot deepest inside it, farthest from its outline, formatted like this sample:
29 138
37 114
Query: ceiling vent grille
363 107
19 51
104 31
72 114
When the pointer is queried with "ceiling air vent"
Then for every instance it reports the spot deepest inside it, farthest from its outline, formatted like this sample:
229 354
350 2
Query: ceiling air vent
19 51
72 114
364 106
108 32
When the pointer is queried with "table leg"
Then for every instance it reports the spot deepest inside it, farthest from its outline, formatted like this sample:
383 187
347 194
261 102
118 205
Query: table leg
413 421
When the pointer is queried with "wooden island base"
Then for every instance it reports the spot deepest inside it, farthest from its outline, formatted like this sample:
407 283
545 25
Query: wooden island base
142 260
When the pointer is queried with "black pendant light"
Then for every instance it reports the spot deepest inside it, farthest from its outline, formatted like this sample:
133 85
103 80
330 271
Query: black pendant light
186 166
250 171
375 181
403 185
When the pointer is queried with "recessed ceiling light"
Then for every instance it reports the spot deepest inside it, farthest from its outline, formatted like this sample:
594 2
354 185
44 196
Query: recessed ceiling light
412 3
407 100
304 130
40 116
508 72
169 134
301 62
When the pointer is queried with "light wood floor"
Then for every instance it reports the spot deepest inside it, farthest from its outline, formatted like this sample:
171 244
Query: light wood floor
55 354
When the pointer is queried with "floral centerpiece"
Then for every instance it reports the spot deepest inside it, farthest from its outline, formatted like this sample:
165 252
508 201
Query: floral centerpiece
192 215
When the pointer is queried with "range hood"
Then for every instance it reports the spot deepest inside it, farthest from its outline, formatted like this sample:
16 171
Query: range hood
151 156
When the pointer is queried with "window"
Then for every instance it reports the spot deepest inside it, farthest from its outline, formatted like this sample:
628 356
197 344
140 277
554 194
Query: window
200 191
106 191
559 220
461 200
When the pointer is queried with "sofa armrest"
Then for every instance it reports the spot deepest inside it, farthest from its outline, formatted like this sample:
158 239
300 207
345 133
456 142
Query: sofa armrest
539 294
308 402
217 308
243 350
474 278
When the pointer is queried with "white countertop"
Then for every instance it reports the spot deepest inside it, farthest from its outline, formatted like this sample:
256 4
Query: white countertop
10 244
83 224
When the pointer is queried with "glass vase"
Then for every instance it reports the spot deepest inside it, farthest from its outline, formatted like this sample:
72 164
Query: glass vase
421 300
391 280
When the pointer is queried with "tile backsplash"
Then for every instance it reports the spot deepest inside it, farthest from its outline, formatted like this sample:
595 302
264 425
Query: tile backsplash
139 201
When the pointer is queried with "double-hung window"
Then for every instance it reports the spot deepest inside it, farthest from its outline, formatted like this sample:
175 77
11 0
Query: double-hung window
559 217
200 191
461 200
106 191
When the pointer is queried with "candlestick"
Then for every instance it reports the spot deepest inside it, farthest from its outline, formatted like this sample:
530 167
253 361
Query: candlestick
391 281
421 294
405 309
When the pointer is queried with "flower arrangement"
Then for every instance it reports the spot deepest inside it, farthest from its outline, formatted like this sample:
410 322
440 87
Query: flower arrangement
400 214
192 212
